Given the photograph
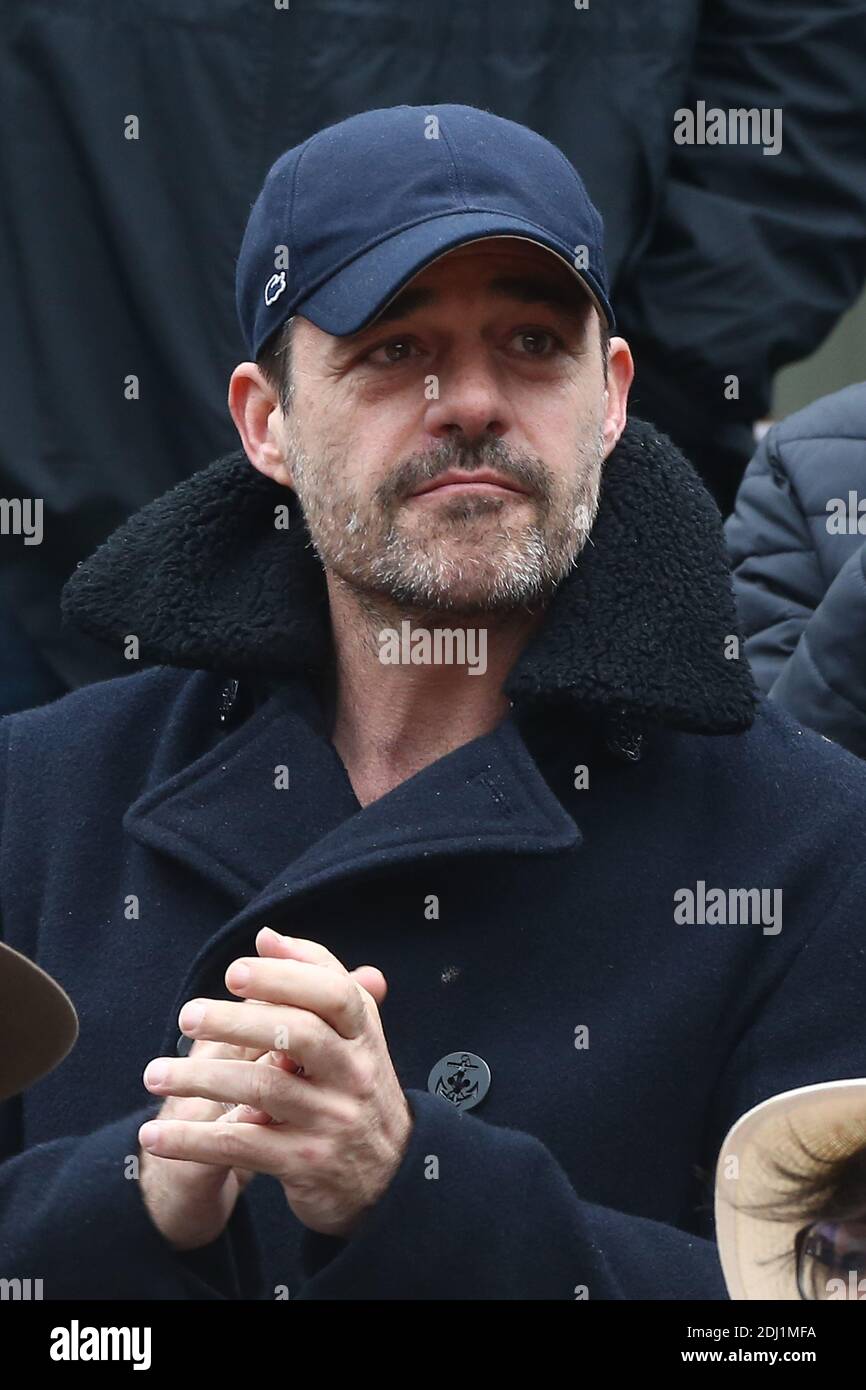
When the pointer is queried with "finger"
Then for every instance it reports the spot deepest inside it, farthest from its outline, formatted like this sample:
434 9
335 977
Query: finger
271 943
322 1055
197 1108
253 1148
282 1059
336 998
211 1047
269 1090
252 1032
245 1113
217 1046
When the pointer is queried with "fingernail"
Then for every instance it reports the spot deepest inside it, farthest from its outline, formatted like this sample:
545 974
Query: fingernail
191 1016
148 1136
279 935
239 975
155 1074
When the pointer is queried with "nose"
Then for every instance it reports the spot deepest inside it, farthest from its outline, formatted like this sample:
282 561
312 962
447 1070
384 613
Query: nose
471 403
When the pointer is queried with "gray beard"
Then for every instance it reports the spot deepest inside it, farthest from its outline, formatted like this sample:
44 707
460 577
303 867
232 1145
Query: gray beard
516 566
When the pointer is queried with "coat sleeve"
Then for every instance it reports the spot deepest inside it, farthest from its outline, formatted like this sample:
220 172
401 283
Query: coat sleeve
752 258
502 1221
823 684
71 1214
777 577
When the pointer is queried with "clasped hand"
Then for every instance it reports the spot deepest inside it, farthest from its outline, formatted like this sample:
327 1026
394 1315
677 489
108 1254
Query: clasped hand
318 1104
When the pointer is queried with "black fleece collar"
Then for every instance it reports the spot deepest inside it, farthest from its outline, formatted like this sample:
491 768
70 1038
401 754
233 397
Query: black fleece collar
203 578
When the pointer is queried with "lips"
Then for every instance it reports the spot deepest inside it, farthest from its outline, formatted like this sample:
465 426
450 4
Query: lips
454 479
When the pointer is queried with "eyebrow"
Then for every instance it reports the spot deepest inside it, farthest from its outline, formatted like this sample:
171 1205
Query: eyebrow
571 300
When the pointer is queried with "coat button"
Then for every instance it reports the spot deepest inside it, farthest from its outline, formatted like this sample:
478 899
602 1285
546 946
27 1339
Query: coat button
463 1078
183 1045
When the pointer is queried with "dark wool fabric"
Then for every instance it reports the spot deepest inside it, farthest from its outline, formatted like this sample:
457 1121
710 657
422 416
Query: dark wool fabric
587 1167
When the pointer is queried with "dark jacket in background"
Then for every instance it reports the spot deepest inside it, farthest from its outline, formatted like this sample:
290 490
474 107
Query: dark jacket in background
587 1166
117 255
800 571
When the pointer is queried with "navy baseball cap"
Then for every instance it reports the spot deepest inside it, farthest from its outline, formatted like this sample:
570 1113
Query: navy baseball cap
346 219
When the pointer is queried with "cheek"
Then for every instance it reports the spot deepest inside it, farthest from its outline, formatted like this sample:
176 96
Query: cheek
559 429
377 439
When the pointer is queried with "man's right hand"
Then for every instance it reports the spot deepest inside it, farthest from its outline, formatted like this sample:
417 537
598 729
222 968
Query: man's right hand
191 1203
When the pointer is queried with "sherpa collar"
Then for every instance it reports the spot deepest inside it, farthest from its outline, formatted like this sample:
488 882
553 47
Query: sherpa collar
204 579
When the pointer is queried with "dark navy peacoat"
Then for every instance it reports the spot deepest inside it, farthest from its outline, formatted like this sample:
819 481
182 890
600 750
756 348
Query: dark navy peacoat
146 838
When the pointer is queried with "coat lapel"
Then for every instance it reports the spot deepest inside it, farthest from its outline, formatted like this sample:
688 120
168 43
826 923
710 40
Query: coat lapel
223 817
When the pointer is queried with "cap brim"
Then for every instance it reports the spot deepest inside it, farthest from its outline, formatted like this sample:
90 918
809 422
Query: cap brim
756 1252
355 295
38 1022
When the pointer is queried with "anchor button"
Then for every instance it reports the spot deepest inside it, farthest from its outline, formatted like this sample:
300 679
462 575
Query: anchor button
461 1078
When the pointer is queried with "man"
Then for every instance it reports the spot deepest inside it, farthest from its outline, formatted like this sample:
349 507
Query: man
462 854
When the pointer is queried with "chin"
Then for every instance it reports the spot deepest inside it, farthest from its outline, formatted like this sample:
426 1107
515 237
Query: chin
475 600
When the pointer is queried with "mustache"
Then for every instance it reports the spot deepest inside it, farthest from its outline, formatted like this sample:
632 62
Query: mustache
526 469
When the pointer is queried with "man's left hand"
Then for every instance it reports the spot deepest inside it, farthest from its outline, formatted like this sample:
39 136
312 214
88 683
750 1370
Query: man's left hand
338 1128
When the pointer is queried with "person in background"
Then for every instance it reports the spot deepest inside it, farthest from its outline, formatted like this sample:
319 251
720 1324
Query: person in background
797 541
132 152
790 1196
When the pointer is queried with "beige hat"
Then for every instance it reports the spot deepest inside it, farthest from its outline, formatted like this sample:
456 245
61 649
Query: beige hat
757 1252
38 1022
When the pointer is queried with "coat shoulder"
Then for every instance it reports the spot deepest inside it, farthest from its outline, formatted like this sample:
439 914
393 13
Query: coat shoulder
118 701
841 415
813 771
115 724
803 460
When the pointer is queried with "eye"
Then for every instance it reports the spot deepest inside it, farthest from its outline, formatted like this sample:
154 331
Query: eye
538 342
396 350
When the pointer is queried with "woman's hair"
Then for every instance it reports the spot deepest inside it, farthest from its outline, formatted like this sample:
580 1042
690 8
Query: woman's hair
819 1188
832 1189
